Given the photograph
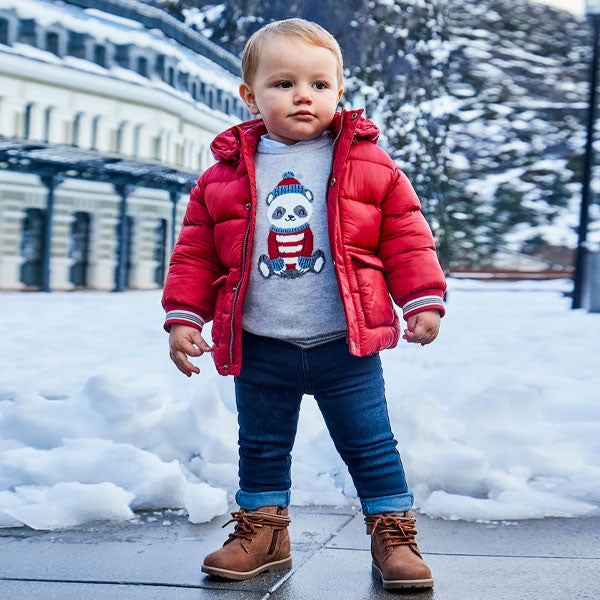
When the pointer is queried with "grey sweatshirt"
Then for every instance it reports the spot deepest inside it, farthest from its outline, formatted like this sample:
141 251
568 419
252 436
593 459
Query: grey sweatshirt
293 293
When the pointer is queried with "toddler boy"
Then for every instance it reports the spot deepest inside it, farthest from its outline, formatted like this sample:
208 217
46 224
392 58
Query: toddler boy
293 242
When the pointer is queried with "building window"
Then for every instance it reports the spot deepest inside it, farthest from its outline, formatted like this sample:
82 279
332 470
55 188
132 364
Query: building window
195 90
76 44
52 42
4 31
75 132
32 241
94 136
47 122
136 140
100 55
202 90
211 100
118 146
128 234
142 66
171 76
227 105
160 247
79 246
184 79
157 146
27 121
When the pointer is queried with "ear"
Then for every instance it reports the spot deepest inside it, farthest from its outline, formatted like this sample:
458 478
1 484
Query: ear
247 95
309 195
340 92
269 199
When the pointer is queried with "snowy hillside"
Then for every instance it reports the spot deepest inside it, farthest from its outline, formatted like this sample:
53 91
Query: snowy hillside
498 419
482 103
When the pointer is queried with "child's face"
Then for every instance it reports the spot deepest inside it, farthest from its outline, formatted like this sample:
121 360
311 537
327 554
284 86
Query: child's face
295 89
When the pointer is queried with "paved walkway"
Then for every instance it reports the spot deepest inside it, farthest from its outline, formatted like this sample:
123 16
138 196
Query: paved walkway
159 556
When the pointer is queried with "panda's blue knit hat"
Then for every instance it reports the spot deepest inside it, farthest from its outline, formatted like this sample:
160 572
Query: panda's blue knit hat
288 185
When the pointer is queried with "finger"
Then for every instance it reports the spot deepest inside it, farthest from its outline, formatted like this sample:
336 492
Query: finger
201 342
186 347
431 337
183 364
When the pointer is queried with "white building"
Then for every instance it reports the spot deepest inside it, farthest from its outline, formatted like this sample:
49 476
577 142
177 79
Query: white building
117 83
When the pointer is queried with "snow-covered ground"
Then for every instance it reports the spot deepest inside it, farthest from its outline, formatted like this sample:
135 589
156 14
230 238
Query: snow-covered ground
497 419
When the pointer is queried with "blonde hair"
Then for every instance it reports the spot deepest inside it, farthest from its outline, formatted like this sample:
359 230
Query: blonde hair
308 31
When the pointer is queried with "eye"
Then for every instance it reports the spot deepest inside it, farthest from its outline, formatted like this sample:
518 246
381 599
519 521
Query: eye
300 211
278 212
284 84
321 85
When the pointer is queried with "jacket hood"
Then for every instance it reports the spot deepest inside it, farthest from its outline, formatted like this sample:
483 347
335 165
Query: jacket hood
227 145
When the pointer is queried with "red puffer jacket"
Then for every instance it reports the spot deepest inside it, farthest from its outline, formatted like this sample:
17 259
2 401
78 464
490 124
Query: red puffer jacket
380 242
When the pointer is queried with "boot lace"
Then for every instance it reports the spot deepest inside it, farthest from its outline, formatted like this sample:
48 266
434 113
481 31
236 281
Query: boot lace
247 524
395 530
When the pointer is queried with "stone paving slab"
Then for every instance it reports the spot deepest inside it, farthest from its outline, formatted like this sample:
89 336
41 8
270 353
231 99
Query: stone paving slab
151 560
27 590
148 551
337 573
568 538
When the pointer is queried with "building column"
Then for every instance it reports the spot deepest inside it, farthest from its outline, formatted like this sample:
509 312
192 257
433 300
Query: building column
8 119
101 265
85 131
11 221
127 139
36 123
123 191
142 254
60 262
51 182
103 136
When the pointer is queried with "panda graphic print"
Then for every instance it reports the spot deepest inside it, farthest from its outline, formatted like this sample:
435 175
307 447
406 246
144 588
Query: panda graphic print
290 240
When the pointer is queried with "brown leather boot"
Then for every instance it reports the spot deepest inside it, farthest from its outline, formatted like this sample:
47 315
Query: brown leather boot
259 542
396 557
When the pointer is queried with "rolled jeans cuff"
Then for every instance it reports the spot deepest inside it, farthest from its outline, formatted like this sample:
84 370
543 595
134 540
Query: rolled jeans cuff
254 500
387 504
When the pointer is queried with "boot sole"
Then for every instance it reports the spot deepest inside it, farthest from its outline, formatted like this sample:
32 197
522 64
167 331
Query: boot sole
394 584
278 565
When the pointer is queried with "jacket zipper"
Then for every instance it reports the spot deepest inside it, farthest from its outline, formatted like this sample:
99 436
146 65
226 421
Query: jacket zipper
334 142
239 285
244 250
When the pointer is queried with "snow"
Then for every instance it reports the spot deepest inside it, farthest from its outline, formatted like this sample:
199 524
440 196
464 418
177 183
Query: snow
498 419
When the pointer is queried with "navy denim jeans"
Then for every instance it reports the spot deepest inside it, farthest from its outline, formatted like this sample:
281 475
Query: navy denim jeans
349 391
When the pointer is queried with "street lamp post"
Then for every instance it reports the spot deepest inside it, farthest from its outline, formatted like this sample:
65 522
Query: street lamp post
592 10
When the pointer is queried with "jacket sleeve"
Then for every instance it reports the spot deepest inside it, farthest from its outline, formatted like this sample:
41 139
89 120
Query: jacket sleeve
189 294
406 247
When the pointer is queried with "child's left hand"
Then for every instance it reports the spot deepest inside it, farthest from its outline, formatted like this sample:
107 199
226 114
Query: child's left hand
423 327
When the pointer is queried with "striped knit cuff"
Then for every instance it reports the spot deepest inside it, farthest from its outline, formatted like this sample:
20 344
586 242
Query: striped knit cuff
422 303
185 317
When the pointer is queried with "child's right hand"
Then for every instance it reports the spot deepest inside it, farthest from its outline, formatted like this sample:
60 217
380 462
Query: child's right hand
186 341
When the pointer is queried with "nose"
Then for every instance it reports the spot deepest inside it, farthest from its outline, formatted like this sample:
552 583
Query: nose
302 95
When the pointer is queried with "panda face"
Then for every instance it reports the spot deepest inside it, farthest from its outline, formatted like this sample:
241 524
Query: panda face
290 210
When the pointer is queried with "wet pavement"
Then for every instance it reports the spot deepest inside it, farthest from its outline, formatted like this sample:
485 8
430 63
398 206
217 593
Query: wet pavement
158 556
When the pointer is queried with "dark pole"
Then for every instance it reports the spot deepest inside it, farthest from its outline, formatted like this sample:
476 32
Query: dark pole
174 194
121 278
50 181
581 252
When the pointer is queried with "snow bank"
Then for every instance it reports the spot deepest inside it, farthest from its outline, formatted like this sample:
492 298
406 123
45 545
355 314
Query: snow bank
498 419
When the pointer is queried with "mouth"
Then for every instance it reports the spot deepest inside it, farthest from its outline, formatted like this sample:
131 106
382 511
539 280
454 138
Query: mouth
303 113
